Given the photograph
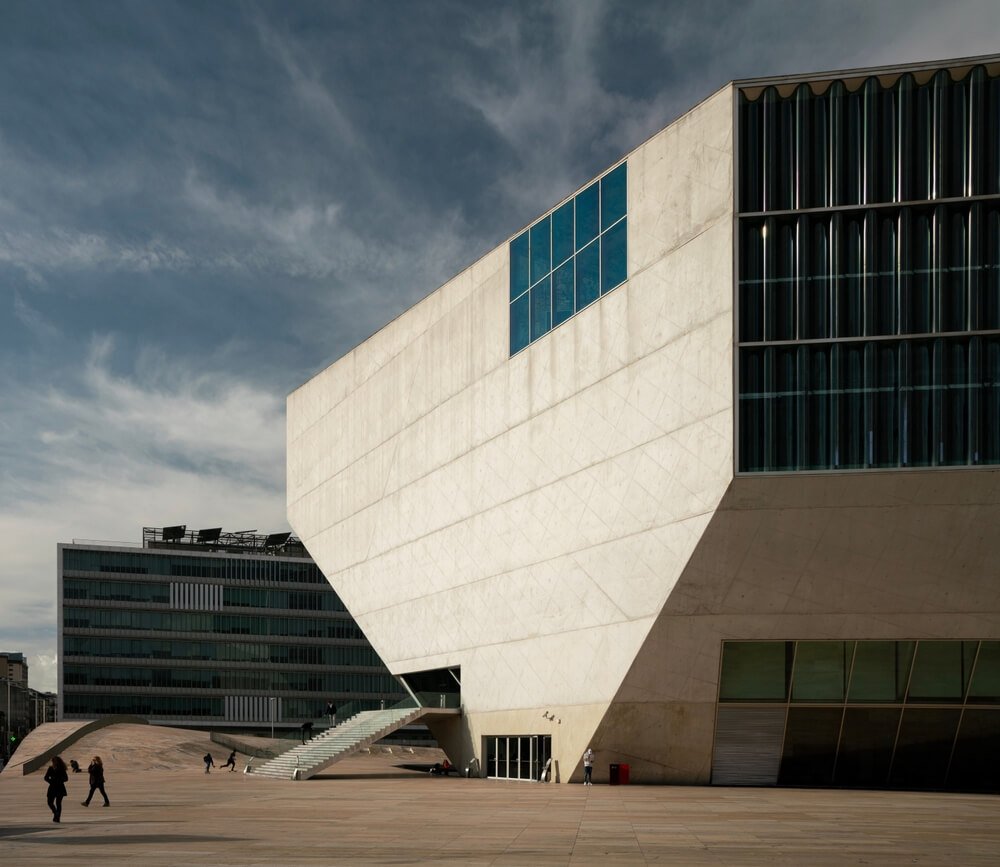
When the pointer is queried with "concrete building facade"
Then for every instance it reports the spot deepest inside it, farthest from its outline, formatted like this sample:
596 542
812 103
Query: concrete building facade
720 505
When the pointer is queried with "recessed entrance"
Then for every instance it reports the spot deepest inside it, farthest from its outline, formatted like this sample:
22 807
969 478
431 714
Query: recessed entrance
516 757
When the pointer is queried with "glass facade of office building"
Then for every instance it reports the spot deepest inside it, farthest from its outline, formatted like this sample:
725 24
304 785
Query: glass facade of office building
898 714
218 639
868 294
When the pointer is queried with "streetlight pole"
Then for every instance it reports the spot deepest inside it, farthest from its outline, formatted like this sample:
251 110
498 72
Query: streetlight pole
271 703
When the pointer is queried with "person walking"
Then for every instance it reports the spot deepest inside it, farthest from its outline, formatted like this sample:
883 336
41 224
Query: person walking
96 771
209 764
588 766
331 711
231 762
56 777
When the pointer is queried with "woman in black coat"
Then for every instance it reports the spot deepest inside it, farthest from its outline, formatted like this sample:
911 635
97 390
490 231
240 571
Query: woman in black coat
56 777
96 771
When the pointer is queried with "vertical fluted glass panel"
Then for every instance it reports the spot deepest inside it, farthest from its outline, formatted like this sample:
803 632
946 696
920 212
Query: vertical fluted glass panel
918 319
885 286
850 278
850 427
751 154
922 144
989 316
854 148
955 403
752 406
870 183
886 165
991 137
818 182
903 95
803 170
974 157
814 277
817 454
885 406
751 285
941 91
955 157
785 408
781 289
916 394
954 272
989 392
835 96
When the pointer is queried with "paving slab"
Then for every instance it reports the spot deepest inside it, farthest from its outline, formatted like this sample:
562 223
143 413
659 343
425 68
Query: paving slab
371 810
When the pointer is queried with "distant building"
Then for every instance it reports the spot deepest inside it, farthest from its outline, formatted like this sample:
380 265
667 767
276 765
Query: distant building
209 629
700 468
14 666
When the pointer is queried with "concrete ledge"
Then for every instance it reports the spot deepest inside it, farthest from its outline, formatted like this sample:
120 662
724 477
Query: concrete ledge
29 766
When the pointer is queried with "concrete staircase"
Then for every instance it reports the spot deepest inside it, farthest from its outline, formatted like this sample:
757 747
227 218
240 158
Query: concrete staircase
337 743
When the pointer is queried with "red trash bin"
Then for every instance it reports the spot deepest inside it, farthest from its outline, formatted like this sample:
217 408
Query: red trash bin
623 775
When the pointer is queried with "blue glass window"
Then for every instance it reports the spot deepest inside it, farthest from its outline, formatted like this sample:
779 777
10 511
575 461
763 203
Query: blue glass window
613 257
569 258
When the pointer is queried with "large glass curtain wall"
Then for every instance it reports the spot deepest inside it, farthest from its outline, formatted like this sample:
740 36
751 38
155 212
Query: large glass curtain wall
869 273
907 714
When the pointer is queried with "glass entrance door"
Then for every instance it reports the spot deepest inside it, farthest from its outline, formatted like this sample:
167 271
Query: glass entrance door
517 757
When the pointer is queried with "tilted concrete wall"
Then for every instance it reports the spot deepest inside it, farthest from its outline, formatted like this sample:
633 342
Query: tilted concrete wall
527 518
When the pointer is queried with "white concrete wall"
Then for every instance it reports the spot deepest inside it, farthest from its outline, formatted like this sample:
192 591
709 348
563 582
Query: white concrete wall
527 518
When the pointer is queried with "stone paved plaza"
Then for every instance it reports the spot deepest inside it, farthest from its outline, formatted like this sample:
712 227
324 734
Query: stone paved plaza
166 810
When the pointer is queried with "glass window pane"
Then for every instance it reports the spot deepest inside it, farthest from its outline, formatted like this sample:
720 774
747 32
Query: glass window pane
518 265
588 275
926 737
562 233
751 281
941 671
541 308
562 294
587 218
541 250
881 671
613 196
975 764
866 746
821 668
985 685
613 257
755 670
519 334
811 735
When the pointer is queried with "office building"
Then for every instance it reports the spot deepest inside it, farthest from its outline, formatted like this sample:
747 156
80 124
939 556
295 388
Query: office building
208 629
701 468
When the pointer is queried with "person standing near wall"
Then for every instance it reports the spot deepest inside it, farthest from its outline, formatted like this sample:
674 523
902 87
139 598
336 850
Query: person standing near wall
588 766
96 772
56 777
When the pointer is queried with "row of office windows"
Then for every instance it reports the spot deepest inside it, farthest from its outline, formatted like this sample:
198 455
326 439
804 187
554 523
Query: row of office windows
568 259
909 139
222 651
855 405
193 678
863 672
233 597
225 624
897 270
167 565
90 705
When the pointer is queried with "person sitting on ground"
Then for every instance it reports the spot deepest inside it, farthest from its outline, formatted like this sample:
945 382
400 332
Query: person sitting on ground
75 765
231 762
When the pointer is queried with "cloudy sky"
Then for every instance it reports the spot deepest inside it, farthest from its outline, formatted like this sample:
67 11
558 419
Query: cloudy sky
203 204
